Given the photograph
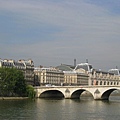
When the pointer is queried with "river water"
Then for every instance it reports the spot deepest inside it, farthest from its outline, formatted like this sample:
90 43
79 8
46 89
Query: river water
60 109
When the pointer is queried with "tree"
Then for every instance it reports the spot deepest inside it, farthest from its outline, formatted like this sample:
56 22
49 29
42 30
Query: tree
5 81
20 85
12 82
30 91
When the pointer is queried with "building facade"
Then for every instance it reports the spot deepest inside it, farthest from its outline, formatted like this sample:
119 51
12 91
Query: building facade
82 74
99 77
53 76
26 66
104 78
75 78
48 76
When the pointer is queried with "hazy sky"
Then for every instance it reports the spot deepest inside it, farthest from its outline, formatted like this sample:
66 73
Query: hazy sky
51 32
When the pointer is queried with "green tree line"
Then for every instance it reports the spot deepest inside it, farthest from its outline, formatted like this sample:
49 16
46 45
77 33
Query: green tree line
12 83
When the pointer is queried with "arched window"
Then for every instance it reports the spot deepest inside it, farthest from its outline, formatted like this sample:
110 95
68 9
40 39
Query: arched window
104 83
114 83
96 82
111 83
117 83
100 82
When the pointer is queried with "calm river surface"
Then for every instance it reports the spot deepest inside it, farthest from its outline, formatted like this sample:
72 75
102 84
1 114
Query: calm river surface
60 109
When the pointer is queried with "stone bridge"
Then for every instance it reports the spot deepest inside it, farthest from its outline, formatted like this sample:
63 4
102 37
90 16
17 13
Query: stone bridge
74 92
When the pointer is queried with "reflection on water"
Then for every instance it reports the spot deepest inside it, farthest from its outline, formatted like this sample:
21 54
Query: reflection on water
60 109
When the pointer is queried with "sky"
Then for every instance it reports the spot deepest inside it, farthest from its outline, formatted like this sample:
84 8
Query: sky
51 32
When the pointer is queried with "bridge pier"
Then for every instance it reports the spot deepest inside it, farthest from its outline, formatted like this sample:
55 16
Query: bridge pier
67 94
97 97
97 94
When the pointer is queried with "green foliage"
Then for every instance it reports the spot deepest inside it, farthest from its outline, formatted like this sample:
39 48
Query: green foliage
30 91
20 85
12 82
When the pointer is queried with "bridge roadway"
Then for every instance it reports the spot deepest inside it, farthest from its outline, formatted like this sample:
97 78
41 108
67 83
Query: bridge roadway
74 92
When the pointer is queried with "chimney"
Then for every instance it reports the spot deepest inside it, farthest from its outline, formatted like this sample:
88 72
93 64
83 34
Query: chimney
75 62
86 60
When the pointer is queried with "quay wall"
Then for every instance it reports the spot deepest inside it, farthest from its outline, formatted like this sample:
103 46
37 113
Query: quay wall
13 98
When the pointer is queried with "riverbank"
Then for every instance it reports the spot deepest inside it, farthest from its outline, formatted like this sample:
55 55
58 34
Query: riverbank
13 98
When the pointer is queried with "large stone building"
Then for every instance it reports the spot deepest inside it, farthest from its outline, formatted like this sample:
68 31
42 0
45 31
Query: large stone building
65 67
27 66
54 76
72 76
99 77
75 78
104 78
82 74
48 76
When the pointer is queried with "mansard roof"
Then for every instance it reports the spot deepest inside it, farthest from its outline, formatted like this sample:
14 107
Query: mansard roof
65 67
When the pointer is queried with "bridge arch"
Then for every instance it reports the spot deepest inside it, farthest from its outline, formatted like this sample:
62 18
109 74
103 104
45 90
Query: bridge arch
106 94
52 94
77 93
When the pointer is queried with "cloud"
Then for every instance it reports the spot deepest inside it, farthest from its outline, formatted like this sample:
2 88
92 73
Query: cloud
112 6
57 31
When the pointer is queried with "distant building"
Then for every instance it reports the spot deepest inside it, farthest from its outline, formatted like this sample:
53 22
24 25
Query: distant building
99 77
115 71
65 67
72 76
86 66
75 78
26 66
79 75
51 76
61 75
